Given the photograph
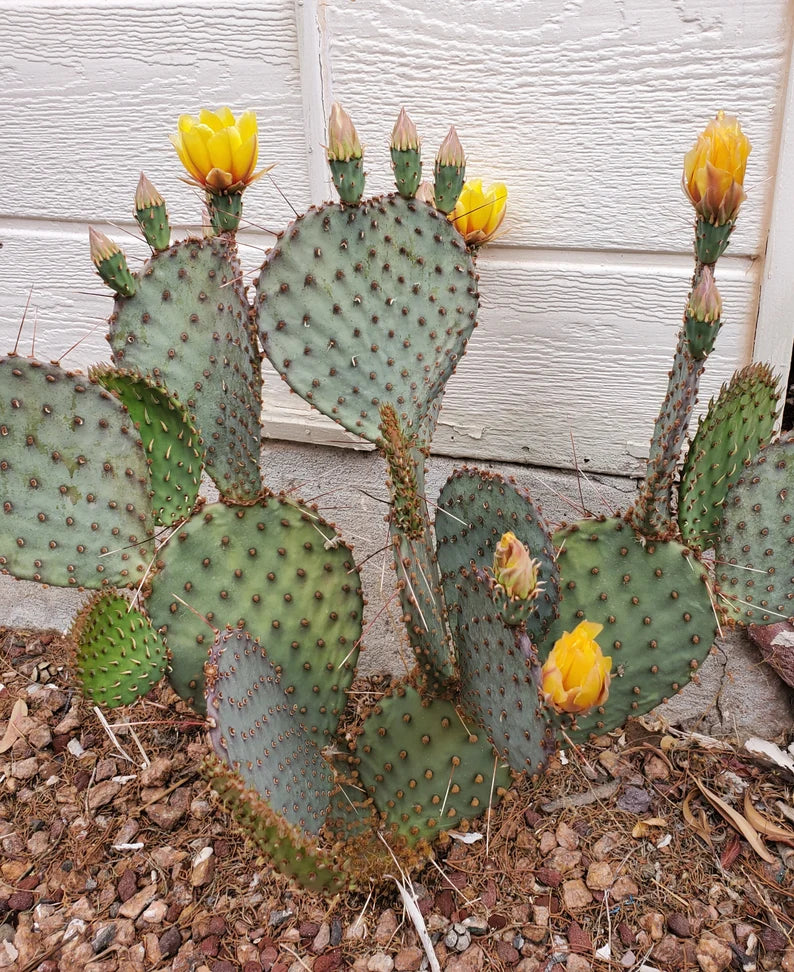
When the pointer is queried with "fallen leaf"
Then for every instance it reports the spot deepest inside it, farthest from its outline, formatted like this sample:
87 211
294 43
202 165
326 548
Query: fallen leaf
643 827
766 826
736 820
731 851
12 733
700 824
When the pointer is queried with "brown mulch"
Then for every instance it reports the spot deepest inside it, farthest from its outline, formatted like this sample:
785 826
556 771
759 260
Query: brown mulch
115 856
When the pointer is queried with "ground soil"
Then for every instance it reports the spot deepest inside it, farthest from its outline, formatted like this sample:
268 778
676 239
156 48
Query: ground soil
114 855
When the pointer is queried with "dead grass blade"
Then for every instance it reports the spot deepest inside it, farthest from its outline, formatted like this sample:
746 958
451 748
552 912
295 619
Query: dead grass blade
738 822
766 826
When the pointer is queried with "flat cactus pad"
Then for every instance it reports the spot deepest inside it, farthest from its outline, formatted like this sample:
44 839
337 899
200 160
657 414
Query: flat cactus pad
75 502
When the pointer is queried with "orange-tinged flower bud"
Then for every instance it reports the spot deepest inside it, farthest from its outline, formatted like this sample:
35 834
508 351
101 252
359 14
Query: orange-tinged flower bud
575 676
101 247
404 136
714 170
343 143
514 569
146 195
219 151
450 151
479 212
705 303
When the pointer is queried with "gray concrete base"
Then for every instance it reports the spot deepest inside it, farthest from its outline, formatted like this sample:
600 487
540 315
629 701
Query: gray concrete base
737 691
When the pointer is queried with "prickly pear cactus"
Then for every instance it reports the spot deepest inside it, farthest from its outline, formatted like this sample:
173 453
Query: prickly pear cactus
118 656
363 306
738 422
74 481
277 570
755 548
187 328
654 600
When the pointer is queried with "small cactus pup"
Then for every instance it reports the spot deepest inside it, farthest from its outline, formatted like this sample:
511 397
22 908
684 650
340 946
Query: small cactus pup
111 263
406 155
118 655
450 172
345 156
151 215
220 154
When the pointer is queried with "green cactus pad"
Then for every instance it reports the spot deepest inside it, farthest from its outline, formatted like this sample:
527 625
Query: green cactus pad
475 508
264 568
291 852
74 492
755 549
362 307
738 422
423 766
348 176
255 727
654 603
407 164
187 328
499 677
169 437
118 656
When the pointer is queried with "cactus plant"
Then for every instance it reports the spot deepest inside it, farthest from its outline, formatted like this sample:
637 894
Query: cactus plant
365 307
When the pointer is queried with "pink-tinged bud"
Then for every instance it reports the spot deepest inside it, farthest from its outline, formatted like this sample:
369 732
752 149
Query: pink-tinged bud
425 193
705 303
714 170
146 196
575 676
343 143
404 136
101 246
450 151
514 569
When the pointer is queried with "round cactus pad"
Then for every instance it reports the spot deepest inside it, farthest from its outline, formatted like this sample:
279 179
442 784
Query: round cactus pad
187 328
360 306
118 656
654 603
74 486
266 569
425 767
755 552
475 508
498 683
255 727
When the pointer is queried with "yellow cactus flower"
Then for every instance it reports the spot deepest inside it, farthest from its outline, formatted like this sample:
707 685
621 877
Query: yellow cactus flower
575 676
479 212
714 170
514 569
219 152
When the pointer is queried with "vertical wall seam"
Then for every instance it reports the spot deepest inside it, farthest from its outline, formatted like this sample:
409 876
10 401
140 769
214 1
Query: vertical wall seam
315 75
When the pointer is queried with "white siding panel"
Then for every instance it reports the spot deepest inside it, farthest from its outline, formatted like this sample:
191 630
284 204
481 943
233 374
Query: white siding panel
584 109
575 348
91 91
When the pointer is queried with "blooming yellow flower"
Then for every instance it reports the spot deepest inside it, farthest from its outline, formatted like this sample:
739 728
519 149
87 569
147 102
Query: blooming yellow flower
575 676
714 170
219 152
514 569
479 212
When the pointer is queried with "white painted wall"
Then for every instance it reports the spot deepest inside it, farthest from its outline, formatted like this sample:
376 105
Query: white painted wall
584 108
